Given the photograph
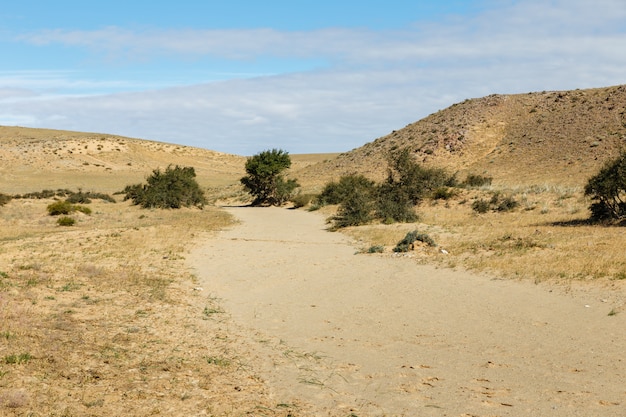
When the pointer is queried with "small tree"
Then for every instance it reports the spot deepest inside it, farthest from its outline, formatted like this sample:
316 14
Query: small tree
174 188
265 180
608 191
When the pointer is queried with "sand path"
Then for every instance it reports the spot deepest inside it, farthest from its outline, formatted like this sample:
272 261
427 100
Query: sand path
339 333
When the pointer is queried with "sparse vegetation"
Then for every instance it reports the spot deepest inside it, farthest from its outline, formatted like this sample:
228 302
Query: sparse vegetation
362 200
476 180
498 202
173 188
265 180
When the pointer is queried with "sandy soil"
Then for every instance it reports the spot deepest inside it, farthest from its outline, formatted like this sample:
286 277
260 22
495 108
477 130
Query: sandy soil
337 333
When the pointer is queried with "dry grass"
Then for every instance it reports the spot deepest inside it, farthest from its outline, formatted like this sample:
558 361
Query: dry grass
102 318
546 239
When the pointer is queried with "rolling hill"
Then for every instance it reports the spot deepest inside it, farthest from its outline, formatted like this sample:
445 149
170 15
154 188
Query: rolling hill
555 137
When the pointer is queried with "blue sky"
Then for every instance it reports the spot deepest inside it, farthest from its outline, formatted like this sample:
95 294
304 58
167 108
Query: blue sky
304 76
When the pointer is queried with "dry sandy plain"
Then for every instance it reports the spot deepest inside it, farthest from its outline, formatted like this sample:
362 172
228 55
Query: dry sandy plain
238 311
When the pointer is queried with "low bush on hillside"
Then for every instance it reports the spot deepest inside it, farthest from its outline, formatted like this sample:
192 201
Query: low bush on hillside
173 188
60 207
302 200
65 207
74 197
498 202
4 199
607 190
338 192
65 221
361 200
475 180
409 240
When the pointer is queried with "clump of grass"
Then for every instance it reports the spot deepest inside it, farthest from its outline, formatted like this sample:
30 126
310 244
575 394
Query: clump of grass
17 359
66 221
376 249
218 361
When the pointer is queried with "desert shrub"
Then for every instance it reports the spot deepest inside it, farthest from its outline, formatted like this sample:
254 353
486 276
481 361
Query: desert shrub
376 249
284 190
481 206
65 221
4 198
444 193
476 180
498 202
60 207
82 209
302 200
78 197
607 190
407 243
355 210
394 205
416 181
264 178
338 192
101 196
174 188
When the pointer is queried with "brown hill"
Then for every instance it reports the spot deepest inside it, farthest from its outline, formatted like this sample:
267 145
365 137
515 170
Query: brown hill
36 159
558 137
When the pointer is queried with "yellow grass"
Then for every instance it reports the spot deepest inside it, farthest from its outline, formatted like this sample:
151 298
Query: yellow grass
102 318
545 239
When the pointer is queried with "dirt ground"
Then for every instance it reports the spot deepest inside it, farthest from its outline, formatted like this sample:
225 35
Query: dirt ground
339 333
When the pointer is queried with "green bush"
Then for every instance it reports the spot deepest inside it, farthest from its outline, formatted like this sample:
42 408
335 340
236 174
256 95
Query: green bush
475 180
302 200
174 188
355 210
4 198
444 193
498 202
338 192
481 206
409 240
416 181
394 205
362 200
607 190
78 197
376 249
83 209
60 207
65 221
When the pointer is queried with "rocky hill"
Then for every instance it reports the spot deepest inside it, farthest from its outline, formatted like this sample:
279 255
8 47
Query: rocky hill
559 137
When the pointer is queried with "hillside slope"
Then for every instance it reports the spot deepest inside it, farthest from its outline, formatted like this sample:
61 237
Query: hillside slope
36 159
547 137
